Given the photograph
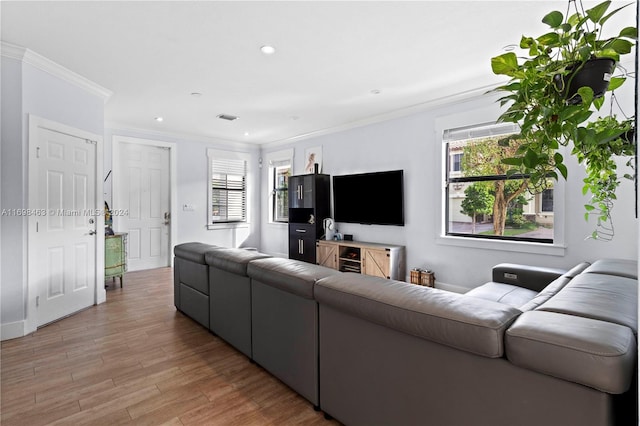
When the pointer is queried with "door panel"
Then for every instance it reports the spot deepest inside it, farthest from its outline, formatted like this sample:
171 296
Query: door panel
65 240
327 255
145 188
376 263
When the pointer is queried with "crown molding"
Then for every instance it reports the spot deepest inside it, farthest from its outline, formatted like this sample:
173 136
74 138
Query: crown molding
32 58
476 92
431 104
123 129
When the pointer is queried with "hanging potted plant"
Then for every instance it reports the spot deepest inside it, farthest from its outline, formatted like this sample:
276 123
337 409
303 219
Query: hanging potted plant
553 92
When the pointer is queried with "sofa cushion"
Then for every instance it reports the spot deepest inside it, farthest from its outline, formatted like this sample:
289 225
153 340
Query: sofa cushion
618 267
293 276
508 294
604 297
593 353
466 323
234 260
546 294
554 287
194 252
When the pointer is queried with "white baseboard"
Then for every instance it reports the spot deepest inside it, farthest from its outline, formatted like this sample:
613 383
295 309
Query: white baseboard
12 330
451 287
273 254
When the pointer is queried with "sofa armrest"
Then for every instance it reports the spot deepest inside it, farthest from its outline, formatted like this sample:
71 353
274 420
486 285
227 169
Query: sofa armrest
534 278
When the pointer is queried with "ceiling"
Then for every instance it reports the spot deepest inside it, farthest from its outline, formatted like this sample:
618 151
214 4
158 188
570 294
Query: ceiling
337 64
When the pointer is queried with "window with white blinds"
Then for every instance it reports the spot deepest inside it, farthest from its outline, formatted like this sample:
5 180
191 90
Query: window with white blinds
227 187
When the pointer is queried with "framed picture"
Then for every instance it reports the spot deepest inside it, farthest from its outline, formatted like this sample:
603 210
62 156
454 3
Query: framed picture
313 156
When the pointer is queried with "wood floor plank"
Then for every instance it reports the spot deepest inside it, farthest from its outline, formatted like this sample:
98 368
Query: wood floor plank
135 360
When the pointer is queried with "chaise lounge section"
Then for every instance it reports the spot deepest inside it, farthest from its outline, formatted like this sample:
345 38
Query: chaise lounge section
393 353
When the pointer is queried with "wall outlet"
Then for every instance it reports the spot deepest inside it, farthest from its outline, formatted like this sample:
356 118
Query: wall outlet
188 207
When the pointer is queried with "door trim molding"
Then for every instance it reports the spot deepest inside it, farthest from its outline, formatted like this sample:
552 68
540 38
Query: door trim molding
116 142
35 123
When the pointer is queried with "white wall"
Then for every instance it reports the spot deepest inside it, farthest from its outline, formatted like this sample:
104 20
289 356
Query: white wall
13 195
26 90
410 143
191 182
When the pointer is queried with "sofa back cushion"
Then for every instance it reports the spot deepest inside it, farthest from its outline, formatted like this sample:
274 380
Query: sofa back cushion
549 291
234 260
290 275
598 296
194 251
470 324
618 267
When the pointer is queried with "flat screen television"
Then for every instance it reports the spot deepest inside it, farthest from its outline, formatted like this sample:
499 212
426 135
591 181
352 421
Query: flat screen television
369 198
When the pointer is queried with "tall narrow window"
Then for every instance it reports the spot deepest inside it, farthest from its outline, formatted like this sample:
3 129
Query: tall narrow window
456 160
227 188
482 199
280 169
547 200
280 191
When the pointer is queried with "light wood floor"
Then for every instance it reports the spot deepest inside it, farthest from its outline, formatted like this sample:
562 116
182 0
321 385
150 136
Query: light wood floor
136 360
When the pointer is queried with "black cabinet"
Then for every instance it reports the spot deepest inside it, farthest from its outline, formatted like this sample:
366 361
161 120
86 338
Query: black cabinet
302 242
309 204
301 191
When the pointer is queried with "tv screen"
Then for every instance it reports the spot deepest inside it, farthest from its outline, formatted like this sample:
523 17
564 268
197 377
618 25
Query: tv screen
369 198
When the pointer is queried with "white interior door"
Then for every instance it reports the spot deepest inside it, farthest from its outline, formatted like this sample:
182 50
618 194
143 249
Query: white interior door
144 204
64 261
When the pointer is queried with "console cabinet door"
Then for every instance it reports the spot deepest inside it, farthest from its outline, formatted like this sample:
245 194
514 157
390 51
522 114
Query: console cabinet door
302 242
376 262
301 191
327 255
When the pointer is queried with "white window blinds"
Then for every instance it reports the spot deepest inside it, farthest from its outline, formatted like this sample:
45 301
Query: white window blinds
228 190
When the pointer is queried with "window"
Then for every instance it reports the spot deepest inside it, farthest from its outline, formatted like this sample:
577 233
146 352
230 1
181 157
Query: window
280 192
481 200
227 187
547 200
456 160
280 169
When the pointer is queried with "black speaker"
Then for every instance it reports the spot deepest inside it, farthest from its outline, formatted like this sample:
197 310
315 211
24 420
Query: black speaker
348 237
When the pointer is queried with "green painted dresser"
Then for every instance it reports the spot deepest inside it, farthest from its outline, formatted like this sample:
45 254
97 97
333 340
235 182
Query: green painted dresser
115 256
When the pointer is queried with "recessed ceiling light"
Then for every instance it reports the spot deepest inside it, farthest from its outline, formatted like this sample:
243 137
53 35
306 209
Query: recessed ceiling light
159 119
196 94
246 133
509 48
375 92
268 50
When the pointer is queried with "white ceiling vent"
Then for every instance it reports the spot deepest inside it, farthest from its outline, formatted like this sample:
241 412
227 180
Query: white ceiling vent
227 117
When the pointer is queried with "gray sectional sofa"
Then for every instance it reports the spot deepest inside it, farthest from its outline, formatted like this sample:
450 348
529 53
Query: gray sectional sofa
533 346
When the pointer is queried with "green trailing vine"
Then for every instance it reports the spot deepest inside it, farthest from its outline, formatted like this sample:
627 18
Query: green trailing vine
551 118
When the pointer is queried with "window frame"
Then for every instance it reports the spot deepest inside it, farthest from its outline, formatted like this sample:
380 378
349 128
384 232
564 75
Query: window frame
275 160
485 116
213 154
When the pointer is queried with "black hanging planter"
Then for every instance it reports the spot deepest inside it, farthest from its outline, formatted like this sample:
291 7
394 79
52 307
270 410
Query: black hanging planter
630 135
594 73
